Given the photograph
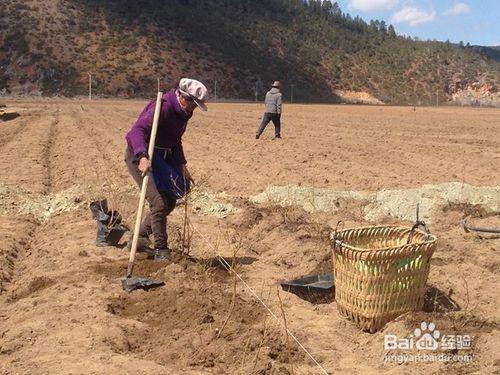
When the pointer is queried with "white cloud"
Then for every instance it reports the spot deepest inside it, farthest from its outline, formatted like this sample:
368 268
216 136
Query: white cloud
413 16
455 10
371 5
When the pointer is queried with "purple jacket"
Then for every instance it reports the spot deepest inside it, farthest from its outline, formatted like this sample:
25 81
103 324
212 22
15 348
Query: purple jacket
171 126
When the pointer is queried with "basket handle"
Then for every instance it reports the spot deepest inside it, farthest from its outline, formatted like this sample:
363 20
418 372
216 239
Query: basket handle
335 236
418 223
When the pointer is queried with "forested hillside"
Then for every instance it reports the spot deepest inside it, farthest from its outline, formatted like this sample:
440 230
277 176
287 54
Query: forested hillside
49 47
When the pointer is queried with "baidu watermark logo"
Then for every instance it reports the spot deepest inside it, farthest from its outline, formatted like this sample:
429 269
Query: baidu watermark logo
427 338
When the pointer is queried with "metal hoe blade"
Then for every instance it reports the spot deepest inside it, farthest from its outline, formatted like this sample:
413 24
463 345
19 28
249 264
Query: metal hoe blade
129 284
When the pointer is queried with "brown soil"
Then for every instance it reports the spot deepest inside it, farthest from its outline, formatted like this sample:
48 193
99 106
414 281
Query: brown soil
62 309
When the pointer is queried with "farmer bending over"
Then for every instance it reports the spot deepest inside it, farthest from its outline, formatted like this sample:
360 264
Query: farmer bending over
170 176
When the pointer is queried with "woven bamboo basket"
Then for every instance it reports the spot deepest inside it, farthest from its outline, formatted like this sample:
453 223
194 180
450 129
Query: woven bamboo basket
380 272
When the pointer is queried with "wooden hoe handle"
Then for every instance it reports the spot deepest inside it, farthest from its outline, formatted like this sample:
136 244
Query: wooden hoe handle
145 181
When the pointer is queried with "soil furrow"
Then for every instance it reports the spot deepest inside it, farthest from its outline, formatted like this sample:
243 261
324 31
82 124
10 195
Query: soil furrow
104 138
32 153
16 233
24 158
77 157
13 129
10 131
48 154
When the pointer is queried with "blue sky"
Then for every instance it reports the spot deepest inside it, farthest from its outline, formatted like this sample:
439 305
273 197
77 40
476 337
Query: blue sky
474 21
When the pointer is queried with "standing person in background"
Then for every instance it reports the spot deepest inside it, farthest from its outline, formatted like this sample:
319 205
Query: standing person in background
170 176
273 111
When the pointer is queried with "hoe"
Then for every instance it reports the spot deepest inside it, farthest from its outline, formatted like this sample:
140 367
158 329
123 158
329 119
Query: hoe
130 283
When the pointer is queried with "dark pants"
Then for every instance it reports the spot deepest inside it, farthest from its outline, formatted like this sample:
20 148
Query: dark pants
160 205
275 118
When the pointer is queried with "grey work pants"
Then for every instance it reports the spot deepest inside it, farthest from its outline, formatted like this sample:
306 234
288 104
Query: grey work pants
275 118
160 205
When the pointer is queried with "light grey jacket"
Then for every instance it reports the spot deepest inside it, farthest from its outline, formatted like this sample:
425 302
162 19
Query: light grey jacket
273 101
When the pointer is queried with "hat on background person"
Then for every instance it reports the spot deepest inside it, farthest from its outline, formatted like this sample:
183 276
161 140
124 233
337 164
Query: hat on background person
195 90
276 84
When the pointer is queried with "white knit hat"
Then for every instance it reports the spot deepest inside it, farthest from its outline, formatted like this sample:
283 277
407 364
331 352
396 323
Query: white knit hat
195 90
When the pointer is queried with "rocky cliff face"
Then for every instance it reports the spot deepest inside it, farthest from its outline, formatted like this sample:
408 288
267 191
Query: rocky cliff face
476 94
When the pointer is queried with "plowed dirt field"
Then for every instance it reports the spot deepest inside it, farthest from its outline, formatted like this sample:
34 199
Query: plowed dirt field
62 308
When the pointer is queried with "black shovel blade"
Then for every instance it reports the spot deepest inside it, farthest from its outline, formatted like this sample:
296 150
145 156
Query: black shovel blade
129 284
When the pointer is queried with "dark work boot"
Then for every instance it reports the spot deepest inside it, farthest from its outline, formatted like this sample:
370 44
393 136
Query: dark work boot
257 136
143 243
161 255
277 136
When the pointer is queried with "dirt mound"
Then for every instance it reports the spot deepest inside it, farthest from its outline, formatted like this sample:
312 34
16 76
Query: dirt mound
36 285
207 203
399 204
41 207
53 204
289 229
247 218
194 323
